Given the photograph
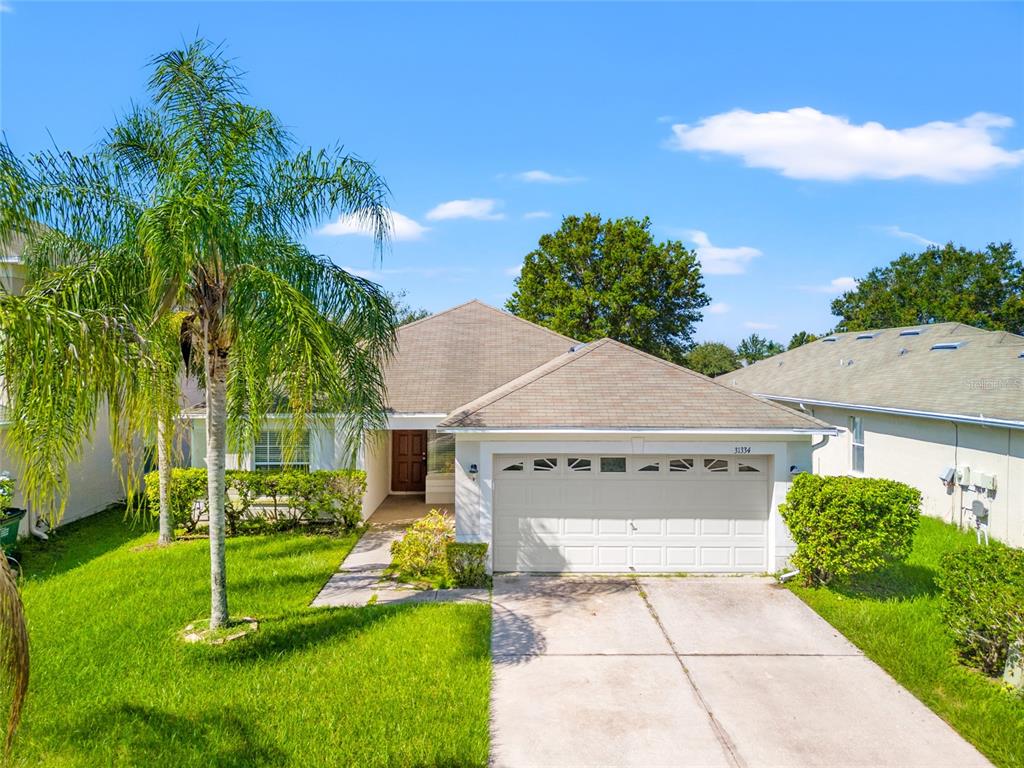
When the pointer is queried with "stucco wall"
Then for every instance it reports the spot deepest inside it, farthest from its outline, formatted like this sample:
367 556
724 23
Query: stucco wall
94 483
375 460
916 451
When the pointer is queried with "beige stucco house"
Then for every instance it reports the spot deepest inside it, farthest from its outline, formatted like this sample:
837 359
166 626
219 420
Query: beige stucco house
572 457
940 407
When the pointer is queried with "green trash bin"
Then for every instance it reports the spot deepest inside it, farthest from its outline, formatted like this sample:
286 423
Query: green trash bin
9 523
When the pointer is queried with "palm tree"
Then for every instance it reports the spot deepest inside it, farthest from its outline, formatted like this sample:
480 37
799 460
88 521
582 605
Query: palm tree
208 197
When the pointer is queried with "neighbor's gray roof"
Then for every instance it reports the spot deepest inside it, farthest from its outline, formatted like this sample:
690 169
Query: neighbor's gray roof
984 378
609 385
455 356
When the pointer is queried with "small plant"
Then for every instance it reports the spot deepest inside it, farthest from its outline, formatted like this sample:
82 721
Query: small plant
983 603
6 492
467 564
844 526
420 555
187 497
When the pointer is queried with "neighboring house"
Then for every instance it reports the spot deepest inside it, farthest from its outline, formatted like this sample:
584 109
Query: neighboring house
94 484
572 457
940 407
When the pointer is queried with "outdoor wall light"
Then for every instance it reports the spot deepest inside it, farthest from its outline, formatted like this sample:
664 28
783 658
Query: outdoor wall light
472 471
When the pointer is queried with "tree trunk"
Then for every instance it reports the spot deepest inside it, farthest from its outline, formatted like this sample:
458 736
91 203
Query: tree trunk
163 458
216 449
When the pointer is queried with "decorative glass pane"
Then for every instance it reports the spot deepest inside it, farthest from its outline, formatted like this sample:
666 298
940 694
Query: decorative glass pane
613 464
651 466
440 452
516 466
716 465
578 464
546 464
748 467
680 465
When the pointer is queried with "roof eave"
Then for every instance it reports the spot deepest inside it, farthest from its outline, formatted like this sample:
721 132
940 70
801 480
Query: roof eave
935 415
730 431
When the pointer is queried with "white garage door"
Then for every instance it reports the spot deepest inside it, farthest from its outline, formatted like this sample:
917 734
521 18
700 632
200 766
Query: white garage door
592 513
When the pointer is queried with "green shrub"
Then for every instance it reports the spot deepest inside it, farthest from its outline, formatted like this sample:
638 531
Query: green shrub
187 497
6 492
845 526
467 564
983 603
420 555
256 500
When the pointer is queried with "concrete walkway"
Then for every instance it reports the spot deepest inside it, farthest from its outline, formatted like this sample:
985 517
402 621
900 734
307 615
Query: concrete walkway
359 580
693 672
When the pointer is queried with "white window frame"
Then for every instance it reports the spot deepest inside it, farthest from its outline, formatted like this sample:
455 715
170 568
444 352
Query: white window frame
276 463
857 426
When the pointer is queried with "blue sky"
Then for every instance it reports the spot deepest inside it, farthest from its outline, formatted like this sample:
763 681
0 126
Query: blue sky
796 145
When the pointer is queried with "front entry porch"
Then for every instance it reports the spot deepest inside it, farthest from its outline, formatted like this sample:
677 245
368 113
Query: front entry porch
402 511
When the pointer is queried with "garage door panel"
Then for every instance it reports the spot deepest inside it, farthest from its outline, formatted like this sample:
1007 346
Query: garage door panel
611 522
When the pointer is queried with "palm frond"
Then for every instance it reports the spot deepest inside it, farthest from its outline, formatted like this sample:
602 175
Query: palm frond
14 651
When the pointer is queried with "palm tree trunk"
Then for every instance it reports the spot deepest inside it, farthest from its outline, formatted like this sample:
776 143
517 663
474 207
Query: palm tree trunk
163 459
216 449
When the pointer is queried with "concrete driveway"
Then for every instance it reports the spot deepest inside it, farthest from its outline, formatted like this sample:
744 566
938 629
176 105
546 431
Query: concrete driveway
693 672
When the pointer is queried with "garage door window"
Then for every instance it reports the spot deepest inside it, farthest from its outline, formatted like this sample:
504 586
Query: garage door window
680 465
579 464
716 465
649 466
613 464
513 466
545 464
744 467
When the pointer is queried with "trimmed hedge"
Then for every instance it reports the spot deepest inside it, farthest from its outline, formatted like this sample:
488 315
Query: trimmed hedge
258 499
844 526
983 603
467 564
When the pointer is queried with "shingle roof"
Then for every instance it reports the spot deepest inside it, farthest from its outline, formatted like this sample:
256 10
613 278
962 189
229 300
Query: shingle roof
607 384
983 378
455 356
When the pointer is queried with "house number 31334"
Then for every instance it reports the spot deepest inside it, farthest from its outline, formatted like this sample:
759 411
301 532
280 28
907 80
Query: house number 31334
741 449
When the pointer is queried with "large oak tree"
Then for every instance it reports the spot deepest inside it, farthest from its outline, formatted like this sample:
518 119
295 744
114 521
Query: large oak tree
595 278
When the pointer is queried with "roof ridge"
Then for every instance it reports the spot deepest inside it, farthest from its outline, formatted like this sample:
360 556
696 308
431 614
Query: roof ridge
496 310
517 384
738 391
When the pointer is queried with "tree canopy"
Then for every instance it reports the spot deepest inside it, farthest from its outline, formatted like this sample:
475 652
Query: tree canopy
712 358
595 278
983 288
754 348
800 338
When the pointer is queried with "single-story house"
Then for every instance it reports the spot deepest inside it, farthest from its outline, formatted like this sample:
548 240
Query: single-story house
565 456
940 407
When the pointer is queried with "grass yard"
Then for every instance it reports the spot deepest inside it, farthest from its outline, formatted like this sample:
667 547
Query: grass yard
111 685
893 616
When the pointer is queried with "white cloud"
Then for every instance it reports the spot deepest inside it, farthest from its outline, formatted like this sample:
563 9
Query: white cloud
514 271
544 177
402 227
718 308
760 326
715 260
479 208
834 287
804 143
6 8
912 236
537 215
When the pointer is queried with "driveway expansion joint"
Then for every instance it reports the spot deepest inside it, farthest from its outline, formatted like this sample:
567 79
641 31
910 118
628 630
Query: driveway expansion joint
728 747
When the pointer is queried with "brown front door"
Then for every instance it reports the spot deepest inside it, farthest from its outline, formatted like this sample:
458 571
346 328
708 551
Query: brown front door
409 460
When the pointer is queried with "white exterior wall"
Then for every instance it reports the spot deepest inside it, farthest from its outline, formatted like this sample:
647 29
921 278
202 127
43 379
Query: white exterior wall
93 482
474 495
375 460
915 451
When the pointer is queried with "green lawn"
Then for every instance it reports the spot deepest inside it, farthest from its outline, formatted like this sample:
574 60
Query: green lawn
112 686
893 616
